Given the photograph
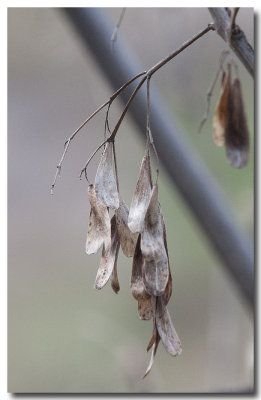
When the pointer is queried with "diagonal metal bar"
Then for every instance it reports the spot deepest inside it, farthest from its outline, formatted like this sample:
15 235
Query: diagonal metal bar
185 169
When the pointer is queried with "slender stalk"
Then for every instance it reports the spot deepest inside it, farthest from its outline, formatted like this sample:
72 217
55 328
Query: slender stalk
161 63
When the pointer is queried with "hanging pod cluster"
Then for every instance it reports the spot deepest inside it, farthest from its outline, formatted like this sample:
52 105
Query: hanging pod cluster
230 123
140 232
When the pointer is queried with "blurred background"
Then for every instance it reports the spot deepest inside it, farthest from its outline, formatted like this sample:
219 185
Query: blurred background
63 335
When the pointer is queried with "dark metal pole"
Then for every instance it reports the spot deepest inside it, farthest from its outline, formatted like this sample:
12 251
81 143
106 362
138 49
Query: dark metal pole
185 169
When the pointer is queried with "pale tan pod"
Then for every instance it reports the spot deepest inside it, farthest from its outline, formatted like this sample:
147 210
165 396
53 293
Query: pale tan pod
137 286
109 258
155 339
168 290
99 228
156 267
141 197
166 329
105 183
128 239
221 114
145 309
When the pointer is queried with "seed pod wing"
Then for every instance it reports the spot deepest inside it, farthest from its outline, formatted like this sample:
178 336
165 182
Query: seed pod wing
145 309
109 258
128 239
105 183
156 267
141 197
137 286
221 114
166 329
99 229
237 135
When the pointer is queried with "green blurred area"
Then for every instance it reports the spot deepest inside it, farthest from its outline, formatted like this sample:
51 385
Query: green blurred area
64 336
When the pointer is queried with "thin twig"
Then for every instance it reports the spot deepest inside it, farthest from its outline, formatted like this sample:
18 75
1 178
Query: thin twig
148 130
108 102
115 166
115 32
89 160
147 74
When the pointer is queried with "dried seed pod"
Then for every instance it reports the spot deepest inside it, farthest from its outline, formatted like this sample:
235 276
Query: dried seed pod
145 309
166 329
105 183
109 258
156 268
153 354
128 239
141 197
168 290
137 286
221 114
99 229
114 279
237 135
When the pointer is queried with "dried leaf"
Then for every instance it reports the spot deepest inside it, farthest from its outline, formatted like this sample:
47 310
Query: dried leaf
99 229
221 114
137 286
145 309
105 183
237 135
156 268
109 258
128 239
141 197
166 329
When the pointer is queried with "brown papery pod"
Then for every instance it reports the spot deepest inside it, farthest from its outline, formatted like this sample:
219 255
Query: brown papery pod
168 290
99 229
128 239
114 278
156 267
105 183
137 286
221 114
109 258
166 329
155 339
237 134
141 197
145 309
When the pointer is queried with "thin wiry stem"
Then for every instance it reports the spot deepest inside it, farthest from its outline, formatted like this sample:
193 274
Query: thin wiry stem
147 74
115 32
84 170
67 143
149 134
212 87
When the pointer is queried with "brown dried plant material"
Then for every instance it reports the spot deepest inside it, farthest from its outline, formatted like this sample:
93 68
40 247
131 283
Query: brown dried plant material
114 278
237 134
156 267
221 114
137 286
105 183
168 290
153 353
166 329
99 229
128 239
109 258
141 197
145 309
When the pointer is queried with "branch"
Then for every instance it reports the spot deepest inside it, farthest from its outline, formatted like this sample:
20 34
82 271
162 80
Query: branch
238 42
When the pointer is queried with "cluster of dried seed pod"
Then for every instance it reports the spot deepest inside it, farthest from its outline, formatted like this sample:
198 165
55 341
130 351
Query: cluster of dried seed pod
141 234
230 124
